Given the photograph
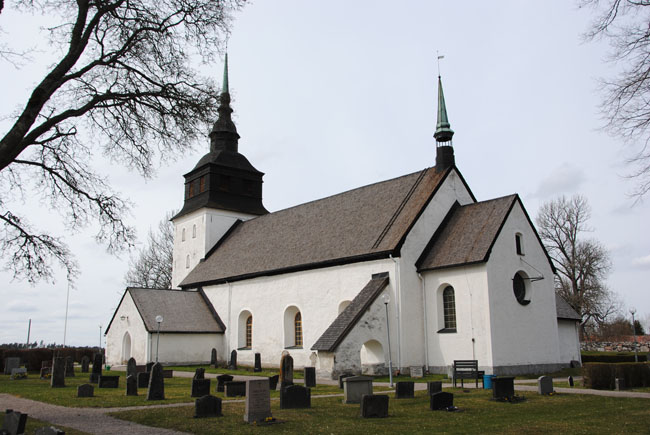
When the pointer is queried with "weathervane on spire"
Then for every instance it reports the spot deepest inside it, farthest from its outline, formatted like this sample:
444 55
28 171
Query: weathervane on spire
439 57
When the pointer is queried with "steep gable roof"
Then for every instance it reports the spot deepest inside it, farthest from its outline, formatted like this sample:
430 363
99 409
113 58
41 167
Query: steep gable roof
351 315
360 224
564 310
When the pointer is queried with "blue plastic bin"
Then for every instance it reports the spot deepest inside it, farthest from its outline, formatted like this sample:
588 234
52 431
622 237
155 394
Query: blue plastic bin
487 382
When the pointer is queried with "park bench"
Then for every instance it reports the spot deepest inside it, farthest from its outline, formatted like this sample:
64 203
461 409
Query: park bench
467 369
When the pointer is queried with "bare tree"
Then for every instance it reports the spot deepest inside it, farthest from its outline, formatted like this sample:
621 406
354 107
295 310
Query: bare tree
152 267
123 86
582 264
626 103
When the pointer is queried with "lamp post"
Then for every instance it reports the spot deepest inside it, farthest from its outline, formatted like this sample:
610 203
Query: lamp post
633 312
159 320
100 337
390 357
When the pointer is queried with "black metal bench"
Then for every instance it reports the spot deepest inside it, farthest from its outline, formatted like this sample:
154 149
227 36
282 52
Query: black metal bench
467 369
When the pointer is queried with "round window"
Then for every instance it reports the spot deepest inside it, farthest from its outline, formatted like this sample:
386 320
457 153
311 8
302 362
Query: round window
519 288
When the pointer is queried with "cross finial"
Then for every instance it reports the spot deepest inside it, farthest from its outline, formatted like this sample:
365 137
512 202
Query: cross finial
439 57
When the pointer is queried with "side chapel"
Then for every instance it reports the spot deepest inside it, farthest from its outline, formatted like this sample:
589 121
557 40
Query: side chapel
418 256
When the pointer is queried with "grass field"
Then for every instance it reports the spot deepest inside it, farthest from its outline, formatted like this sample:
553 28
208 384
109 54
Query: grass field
576 414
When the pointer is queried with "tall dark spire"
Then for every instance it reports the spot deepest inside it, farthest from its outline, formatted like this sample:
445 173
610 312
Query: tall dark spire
443 134
224 134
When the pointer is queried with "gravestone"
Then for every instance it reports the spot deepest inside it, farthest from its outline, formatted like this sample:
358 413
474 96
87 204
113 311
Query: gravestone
570 381
149 366
258 362
85 390
207 406
503 387
295 396
343 376
575 363
14 422
417 371
310 377
619 384
200 387
544 385
85 364
48 430
213 358
46 363
131 385
45 372
109 381
58 373
19 373
286 370
405 390
156 389
434 387
168 374
273 382
221 381
69 367
354 387
233 360
441 400
97 368
199 373
235 388
374 406
131 367
258 401
141 368
143 380
11 363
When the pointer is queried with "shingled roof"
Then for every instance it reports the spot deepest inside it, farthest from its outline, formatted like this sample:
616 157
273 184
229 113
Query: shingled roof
564 310
361 224
182 311
352 313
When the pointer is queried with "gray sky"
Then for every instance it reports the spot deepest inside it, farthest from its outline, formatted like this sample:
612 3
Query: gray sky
329 96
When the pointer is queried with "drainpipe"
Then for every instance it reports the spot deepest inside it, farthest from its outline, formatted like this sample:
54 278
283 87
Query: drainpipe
398 308
426 324
227 356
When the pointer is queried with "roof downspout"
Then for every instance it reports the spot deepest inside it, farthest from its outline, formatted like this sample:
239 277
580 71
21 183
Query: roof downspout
227 355
398 307
426 324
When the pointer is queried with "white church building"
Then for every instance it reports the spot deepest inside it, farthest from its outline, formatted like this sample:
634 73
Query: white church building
412 270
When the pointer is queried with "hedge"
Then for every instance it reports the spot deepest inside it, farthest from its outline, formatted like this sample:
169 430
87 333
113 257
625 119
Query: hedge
32 358
612 358
602 376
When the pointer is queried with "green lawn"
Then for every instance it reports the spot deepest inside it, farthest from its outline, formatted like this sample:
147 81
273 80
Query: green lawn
560 413
33 424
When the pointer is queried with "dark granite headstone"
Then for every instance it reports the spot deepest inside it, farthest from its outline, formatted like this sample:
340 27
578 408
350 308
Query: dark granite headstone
258 362
14 422
141 368
544 385
149 366
46 363
295 396
575 363
570 381
69 367
442 400
143 380
207 406
131 385
199 374
109 381
11 363
273 382
374 406
168 374
97 368
258 401
434 387
85 390
405 390
221 381
48 430
233 360
156 389
85 364
235 388
58 373
503 387
343 376
310 377
131 367
286 371
213 358
200 387
45 372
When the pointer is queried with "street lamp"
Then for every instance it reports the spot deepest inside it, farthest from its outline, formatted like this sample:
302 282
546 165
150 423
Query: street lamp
100 337
390 358
159 320
633 312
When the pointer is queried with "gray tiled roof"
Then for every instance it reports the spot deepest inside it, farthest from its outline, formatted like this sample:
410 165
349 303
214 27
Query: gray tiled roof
351 226
564 310
182 311
352 313
467 234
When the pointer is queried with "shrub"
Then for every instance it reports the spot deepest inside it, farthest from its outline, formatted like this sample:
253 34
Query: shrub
32 358
612 358
601 376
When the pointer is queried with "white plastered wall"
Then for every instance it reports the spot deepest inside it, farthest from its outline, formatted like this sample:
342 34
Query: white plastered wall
192 348
569 340
133 324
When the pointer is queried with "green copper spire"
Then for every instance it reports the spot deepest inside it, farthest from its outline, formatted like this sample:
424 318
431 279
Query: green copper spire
443 131
224 134
224 85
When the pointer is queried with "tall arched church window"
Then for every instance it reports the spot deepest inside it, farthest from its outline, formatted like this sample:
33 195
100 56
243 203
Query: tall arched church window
249 331
298 328
194 231
187 262
183 235
449 308
519 244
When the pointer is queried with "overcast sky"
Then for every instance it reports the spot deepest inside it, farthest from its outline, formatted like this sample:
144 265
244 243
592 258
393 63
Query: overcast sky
329 96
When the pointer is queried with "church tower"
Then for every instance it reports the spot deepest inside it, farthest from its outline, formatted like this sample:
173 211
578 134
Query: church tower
222 188
443 134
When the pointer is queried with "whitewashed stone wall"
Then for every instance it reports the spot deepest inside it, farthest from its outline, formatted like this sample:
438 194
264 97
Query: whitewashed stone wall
133 324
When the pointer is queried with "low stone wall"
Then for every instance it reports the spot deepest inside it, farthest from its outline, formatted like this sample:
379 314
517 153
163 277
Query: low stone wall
643 345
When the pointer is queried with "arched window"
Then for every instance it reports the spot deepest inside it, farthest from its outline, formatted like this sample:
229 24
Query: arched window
194 231
249 332
183 235
297 325
519 244
449 308
187 262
